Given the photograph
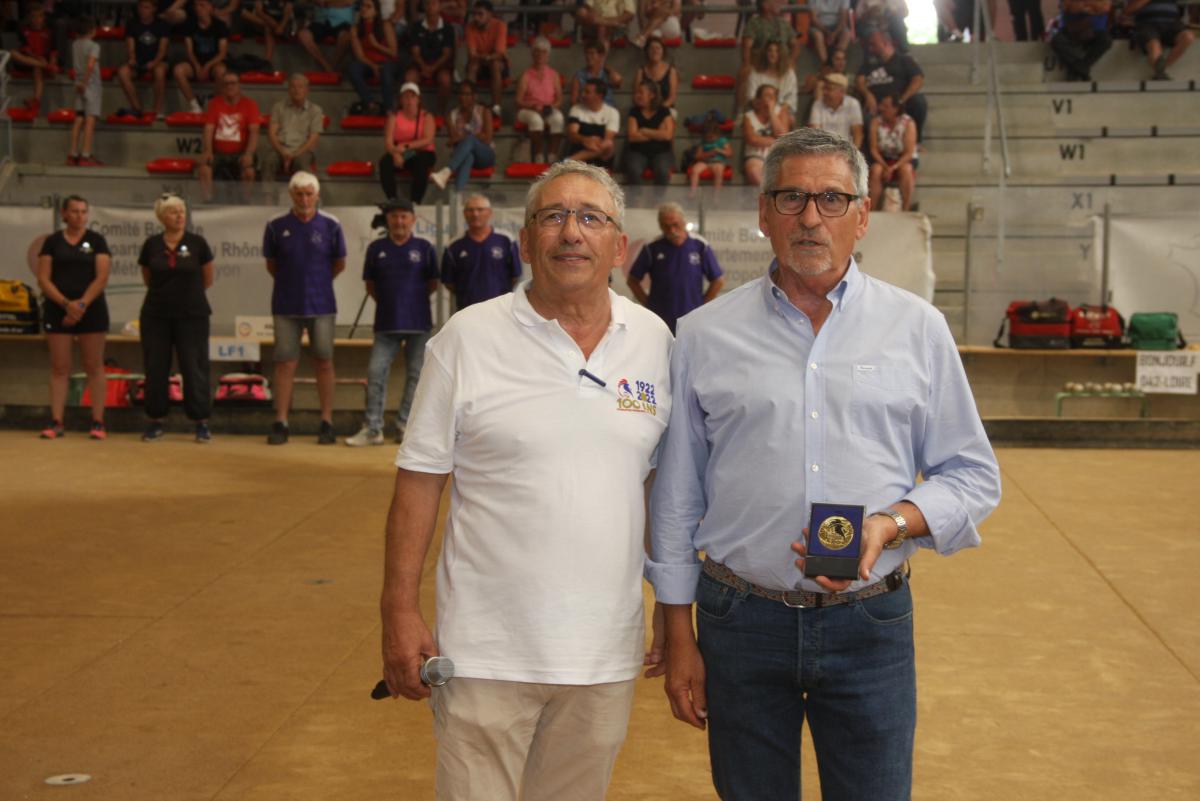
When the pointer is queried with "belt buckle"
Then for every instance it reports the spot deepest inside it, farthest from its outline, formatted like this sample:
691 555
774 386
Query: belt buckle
790 605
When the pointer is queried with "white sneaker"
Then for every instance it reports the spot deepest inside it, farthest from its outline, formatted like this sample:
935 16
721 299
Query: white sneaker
496 110
365 436
440 177
194 107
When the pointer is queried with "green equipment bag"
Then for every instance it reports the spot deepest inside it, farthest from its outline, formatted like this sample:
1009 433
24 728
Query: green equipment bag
1155 331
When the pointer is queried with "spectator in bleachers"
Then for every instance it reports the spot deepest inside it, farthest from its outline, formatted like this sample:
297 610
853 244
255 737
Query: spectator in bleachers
658 18
1158 25
774 70
85 55
830 27
275 18
762 124
649 137
539 101
657 70
678 265
408 136
837 113
35 51
487 50
305 249
146 41
761 29
484 263
1082 36
469 134
603 19
815 83
230 139
888 72
72 271
295 128
888 16
1027 20
592 127
595 69
401 272
395 12
331 19
432 52
713 153
893 153
177 269
207 45
373 43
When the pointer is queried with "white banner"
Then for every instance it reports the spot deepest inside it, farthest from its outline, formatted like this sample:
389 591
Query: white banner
1154 266
22 230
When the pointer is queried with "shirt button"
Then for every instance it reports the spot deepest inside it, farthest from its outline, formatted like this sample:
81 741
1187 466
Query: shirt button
812 366
814 415
816 468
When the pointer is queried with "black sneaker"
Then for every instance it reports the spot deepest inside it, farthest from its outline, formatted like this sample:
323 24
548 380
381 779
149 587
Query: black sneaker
203 435
326 436
279 434
153 433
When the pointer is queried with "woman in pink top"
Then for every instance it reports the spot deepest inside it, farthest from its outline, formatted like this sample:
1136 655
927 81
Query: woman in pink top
539 95
408 136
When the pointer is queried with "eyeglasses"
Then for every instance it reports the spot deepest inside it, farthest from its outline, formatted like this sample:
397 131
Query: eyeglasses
588 219
829 204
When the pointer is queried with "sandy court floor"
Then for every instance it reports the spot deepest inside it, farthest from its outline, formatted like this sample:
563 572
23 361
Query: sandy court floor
186 622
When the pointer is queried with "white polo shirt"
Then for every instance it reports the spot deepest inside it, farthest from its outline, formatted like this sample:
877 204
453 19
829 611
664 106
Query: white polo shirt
540 575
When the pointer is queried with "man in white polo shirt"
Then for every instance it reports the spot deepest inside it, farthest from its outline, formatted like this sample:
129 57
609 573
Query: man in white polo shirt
547 405
833 111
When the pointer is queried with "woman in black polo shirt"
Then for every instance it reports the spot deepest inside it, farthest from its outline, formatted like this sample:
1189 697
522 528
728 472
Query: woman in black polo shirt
72 269
177 267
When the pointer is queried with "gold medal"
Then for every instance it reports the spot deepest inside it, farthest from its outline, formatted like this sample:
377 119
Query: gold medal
836 533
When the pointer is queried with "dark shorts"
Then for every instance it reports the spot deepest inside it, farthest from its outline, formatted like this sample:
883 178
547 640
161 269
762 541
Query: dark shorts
94 320
321 30
1165 32
228 166
485 70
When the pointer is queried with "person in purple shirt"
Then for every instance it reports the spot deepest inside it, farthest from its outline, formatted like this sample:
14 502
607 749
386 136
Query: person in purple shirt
305 250
483 264
678 265
401 273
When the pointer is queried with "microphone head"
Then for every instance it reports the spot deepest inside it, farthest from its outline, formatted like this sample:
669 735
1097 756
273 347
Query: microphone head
437 670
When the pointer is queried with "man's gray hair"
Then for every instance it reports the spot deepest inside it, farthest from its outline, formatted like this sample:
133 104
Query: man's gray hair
671 207
477 196
298 77
573 167
814 142
304 180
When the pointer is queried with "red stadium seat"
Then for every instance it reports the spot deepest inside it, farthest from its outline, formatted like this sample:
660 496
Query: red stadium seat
520 126
730 42
620 42
363 122
483 172
648 174
112 33
707 175
255 77
512 40
317 78
185 119
713 82
525 169
22 114
236 37
145 118
106 73
62 116
350 169
726 126
560 41
674 41
170 165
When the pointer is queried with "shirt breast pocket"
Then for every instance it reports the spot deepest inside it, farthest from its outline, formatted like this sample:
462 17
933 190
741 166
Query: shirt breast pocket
882 402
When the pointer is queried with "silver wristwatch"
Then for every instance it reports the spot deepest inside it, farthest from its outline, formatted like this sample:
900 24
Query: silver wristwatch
901 524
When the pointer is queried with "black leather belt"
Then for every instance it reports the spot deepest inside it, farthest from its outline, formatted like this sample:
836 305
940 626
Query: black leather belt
804 598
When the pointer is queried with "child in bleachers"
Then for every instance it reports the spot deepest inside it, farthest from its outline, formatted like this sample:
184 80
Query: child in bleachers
713 151
36 51
595 68
85 56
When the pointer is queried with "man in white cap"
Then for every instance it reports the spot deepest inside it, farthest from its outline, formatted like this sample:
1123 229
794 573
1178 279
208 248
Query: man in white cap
833 111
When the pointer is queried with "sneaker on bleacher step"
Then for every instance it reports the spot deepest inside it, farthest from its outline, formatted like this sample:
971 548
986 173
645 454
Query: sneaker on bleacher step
194 106
54 430
365 436
72 160
440 177
89 161
153 433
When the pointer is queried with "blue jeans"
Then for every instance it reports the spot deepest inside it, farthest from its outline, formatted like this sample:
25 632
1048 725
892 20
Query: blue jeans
469 154
359 72
848 669
383 353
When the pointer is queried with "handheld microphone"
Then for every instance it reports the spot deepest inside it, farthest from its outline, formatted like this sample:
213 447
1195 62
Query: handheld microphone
435 671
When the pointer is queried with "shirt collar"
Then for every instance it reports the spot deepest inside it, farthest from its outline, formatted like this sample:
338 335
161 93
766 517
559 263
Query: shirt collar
525 314
849 288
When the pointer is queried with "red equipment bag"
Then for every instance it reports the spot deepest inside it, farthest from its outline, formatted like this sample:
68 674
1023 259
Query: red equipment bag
242 389
1097 327
1036 324
137 390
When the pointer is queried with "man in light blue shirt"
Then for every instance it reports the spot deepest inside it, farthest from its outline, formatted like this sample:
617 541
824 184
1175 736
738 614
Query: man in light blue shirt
814 383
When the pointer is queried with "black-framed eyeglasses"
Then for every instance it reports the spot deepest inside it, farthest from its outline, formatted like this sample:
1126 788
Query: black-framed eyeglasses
588 219
829 204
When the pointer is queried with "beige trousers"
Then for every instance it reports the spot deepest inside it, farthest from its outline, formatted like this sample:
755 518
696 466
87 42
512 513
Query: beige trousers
505 740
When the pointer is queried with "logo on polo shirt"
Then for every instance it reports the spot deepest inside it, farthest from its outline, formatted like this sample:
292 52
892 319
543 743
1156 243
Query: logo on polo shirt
694 257
414 256
286 233
497 252
660 256
462 254
636 397
315 238
85 246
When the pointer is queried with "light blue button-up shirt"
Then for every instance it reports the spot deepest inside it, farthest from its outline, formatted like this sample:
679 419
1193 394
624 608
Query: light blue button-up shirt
768 418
